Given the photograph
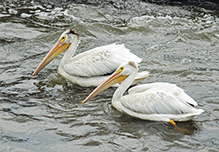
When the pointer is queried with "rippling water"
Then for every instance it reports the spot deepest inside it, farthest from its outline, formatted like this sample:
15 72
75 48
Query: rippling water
178 44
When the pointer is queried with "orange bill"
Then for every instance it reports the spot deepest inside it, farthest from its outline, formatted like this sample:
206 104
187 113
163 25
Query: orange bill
113 79
54 52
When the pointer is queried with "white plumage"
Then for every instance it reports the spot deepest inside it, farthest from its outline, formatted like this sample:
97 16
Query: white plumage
99 61
89 68
155 101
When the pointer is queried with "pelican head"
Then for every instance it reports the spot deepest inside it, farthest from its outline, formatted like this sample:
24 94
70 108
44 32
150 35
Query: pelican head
61 45
122 72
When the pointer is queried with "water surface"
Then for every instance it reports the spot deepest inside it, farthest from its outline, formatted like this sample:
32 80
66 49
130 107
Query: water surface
178 44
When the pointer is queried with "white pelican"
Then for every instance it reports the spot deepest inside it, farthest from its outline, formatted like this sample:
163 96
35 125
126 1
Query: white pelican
155 101
89 68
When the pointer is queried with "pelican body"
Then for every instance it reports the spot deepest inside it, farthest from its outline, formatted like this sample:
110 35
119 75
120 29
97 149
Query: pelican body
155 101
89 68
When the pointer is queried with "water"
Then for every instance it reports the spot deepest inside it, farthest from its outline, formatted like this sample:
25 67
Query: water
178 44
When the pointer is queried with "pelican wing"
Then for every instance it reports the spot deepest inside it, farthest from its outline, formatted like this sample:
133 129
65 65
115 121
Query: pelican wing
166 87
99 61
162 99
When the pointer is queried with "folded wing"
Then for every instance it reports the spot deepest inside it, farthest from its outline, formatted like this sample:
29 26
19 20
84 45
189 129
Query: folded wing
100 61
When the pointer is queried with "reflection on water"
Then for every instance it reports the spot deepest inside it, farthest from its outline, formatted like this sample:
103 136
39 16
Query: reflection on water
177 43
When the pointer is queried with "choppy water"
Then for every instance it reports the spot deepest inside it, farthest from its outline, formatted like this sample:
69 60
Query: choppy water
178 44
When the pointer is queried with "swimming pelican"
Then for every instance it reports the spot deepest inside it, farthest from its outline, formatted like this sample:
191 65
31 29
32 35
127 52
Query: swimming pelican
155 101
89 68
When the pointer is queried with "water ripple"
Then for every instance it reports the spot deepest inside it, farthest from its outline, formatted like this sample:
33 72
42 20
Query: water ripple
178 44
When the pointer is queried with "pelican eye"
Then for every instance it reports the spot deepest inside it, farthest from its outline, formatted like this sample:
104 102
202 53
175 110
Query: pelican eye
121 69
62 39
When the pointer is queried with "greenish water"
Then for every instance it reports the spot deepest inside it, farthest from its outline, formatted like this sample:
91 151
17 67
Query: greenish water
178 44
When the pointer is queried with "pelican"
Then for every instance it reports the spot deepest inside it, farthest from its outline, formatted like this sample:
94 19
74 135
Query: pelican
89 68
154 101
